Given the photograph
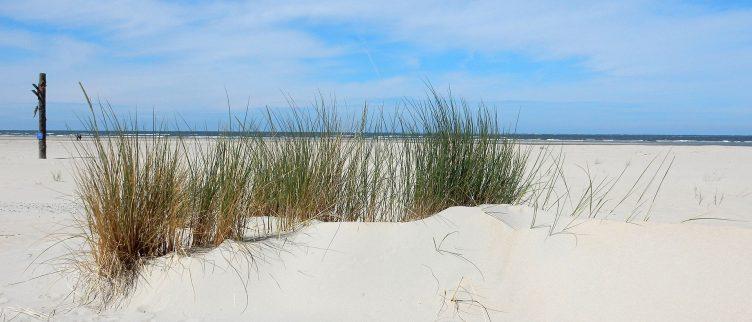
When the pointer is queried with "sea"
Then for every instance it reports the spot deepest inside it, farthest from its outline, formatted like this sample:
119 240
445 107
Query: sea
648 139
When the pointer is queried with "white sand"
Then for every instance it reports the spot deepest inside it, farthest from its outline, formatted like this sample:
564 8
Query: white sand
464 263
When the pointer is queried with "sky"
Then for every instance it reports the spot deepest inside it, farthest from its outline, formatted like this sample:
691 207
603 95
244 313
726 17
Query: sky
591 67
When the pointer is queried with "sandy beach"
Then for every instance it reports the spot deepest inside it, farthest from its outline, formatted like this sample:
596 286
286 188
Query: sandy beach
690 261
375 161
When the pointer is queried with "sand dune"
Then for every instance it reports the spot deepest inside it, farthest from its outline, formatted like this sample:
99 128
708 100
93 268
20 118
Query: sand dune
461 264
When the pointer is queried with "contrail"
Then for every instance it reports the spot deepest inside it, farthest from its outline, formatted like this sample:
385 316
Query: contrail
370 58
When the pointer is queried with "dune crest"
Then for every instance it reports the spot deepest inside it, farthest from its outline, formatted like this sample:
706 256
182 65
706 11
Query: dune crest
464 263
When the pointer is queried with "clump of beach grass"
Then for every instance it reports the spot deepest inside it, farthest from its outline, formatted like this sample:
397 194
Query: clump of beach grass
370 190
147 196
219 187
459 156
132 189
299 171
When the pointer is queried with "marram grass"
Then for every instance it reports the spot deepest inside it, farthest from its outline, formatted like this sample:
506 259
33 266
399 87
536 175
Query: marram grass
218 188
145 197
459 156
133 191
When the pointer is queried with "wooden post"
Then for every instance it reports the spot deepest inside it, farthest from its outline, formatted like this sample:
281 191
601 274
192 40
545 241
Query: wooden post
40 90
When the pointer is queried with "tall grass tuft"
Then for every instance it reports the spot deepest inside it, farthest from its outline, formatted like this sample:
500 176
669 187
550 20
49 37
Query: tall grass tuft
219 186
370 186
145 197
299 170
458 156
133 193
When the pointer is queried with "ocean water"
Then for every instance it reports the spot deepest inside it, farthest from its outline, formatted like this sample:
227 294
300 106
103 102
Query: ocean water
732 140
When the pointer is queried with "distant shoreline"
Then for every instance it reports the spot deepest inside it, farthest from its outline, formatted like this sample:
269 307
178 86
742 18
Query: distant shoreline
528 139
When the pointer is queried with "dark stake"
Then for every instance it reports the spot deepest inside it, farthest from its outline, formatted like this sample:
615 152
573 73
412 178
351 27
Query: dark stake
40 90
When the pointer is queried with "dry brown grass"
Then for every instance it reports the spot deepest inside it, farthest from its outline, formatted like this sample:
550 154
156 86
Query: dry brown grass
133 193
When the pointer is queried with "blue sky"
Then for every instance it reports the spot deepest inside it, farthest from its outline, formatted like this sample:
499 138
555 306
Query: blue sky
662 67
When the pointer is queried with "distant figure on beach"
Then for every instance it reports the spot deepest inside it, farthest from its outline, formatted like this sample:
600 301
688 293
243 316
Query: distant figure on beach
78 136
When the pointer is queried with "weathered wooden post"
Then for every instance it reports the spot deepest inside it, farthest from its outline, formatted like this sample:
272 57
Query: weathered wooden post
40 90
